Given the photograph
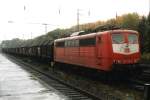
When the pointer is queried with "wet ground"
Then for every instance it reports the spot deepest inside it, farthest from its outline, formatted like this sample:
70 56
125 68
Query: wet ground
18 84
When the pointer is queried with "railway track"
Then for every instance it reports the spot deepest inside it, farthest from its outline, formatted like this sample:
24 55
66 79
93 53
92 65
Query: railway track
142 82
71 91
144 77
146 72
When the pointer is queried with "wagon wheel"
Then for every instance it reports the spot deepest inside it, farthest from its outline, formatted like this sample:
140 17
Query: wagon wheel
52 64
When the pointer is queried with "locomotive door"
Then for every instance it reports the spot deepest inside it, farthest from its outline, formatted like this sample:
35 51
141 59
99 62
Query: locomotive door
99 50
99 47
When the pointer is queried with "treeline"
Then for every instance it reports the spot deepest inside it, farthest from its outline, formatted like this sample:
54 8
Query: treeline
128 21
144 29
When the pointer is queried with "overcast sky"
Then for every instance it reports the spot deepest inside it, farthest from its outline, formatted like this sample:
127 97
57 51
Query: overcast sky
25 18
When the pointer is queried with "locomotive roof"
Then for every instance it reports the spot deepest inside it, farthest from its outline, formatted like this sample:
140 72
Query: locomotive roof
96 33
131 31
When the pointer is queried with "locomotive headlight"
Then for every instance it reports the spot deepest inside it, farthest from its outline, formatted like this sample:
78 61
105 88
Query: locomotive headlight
126 50
115 61
119 61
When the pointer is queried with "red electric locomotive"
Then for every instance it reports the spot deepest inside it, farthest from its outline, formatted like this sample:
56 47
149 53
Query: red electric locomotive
99 50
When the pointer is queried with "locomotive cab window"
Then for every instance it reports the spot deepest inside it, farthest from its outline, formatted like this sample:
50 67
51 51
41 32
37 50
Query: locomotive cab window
117 38
132 38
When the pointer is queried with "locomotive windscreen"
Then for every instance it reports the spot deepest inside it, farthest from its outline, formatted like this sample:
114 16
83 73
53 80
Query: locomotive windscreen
132 38
117 38
125 43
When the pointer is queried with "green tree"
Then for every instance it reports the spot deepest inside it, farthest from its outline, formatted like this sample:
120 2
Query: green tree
142 29
129 21
148 33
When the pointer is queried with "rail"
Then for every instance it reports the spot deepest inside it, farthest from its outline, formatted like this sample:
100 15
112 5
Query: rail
143 80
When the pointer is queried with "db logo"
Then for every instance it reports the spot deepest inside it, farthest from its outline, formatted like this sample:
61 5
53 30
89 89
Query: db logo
126 50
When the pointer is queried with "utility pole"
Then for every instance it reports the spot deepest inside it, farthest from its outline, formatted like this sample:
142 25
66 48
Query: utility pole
23 37
149 6
78 20
31 35
45 27
116 15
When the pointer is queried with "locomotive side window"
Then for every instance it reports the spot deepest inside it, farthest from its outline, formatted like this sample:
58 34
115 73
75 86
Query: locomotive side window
76 43
60 44
117 38
66 43
132 38
71 43
88 41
